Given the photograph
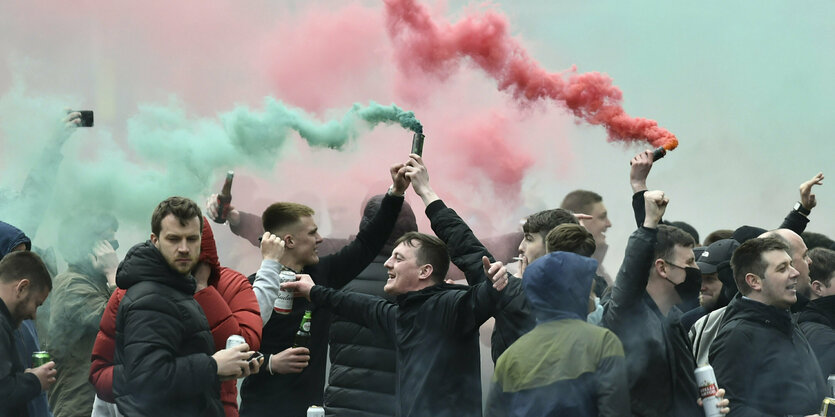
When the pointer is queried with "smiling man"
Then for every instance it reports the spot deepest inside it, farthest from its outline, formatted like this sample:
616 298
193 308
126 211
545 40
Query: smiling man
759 351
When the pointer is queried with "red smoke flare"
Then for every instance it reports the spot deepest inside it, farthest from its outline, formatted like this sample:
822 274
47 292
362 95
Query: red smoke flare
437 48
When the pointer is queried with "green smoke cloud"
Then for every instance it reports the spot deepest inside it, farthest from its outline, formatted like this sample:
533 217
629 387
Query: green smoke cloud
165 152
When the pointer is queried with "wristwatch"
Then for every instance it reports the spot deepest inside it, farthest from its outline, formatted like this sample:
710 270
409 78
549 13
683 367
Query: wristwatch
802 210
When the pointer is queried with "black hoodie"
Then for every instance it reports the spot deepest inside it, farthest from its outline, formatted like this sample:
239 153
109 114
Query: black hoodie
163 342
817 322
764 362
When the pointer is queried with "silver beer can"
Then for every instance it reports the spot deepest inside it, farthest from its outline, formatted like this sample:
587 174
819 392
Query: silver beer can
315 411
706 380
234 340
284 302
830 382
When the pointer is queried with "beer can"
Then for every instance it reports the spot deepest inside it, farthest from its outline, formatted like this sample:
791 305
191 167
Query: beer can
234 340
830 382
40 358
315 411
284 302
706 380
828 407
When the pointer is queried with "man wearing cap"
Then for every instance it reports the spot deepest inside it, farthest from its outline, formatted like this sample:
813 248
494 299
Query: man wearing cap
718 289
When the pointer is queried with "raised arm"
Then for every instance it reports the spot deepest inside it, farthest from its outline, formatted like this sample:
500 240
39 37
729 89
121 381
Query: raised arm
465 250
266 279
633 274
343 266
798 218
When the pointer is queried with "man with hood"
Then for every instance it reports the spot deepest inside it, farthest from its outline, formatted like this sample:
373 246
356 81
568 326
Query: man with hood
88 244
13 239
760 355
564 366
227 299
166 359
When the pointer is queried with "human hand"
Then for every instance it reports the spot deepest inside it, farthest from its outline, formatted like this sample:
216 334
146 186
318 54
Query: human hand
807 199
419 176
289 361
301 286
496 273
233 363
233 216
655 204
399 181
272 247
639 171
66 127
46 374
255 364
722 405
105 260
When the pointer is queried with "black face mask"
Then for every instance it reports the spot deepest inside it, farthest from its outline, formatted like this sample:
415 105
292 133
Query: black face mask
689 289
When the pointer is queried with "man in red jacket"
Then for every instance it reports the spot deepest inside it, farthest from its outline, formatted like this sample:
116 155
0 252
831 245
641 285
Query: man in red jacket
229 303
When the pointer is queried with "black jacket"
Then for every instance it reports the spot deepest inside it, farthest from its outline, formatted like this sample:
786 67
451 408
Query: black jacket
817 322
163 342
659 357
290 395
16 387
363 365
765 363
513 317
435 332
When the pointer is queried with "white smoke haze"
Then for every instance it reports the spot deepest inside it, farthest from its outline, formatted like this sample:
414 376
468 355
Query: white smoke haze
750 105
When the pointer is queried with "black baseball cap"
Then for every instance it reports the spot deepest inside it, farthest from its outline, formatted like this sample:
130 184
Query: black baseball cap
717 255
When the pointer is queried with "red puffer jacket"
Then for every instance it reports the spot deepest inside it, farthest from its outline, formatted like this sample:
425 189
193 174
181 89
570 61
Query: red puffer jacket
230 307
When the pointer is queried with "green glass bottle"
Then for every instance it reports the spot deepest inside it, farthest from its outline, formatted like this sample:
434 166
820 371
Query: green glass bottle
303 335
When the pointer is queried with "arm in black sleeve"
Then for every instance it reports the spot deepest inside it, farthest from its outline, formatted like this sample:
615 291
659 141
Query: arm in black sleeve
373 312
465 250
633 275
152 336
795 222
16 388
462 311
340 268
638 207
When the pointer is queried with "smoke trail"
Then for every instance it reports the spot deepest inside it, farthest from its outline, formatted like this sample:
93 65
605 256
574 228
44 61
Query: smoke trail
168 153
438 47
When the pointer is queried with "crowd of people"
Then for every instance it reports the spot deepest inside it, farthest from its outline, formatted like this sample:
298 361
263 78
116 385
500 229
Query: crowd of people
391 334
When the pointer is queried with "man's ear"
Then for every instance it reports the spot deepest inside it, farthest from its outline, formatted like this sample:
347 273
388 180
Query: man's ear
426 271
817 287
288 241
154 239
754 281
660 267
22 287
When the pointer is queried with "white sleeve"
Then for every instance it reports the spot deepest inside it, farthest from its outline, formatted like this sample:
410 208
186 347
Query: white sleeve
266 287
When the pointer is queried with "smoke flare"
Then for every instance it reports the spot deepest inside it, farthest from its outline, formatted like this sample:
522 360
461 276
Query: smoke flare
438 47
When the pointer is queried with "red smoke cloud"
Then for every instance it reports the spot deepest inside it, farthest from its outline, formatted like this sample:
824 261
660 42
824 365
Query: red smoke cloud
438 47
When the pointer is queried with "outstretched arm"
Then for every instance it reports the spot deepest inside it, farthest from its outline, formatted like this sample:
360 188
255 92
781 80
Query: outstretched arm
798 218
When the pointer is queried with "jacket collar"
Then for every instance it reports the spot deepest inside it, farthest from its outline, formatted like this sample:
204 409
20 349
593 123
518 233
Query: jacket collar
821 310
144 262
755 311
